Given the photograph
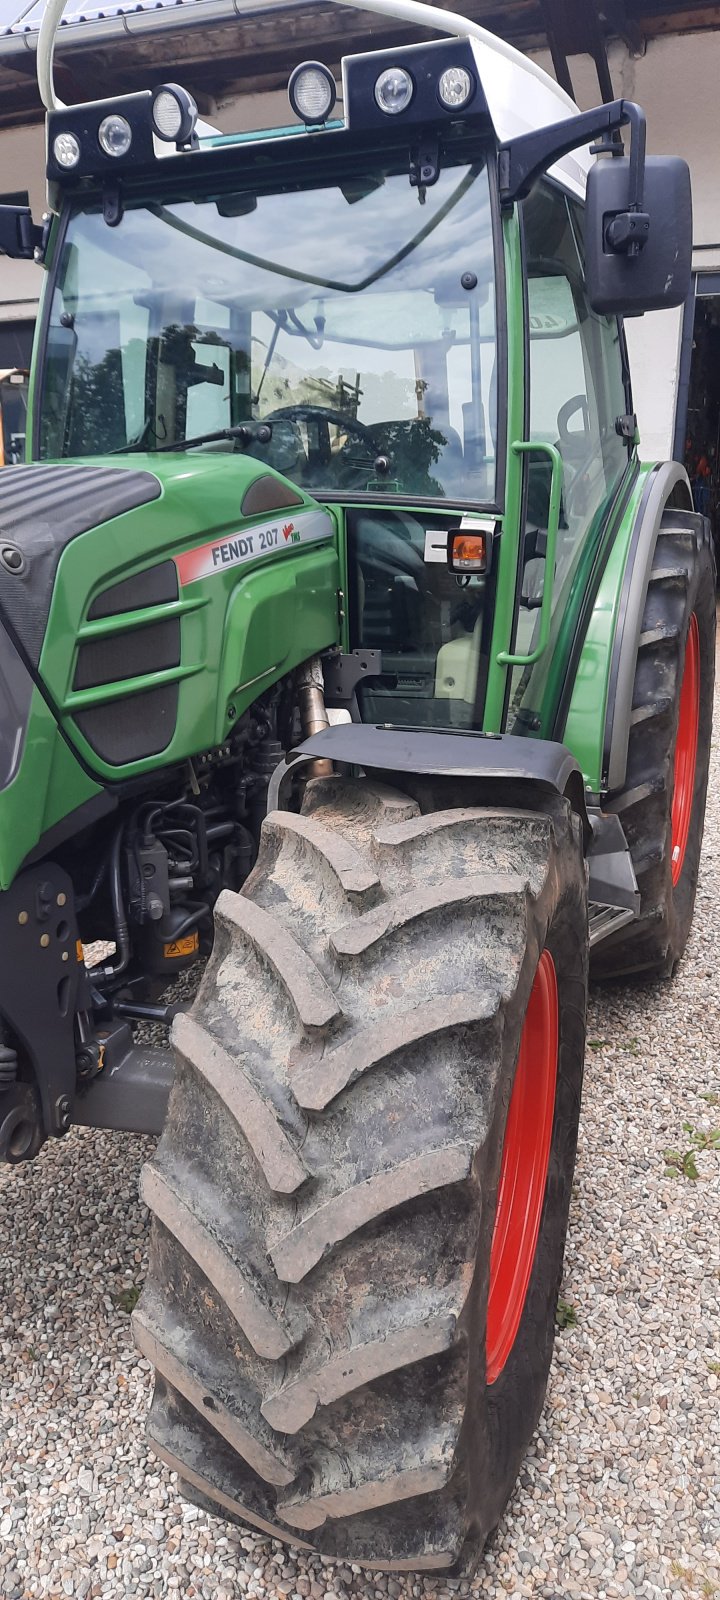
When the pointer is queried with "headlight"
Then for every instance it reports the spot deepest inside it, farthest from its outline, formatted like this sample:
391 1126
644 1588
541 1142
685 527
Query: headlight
114 135
66 150
174 113
312 92
456 88
394 90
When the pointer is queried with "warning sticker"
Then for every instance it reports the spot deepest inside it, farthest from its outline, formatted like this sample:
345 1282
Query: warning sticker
182 947
266 538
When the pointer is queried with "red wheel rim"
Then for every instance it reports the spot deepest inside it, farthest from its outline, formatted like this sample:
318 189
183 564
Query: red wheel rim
523 1173
686 749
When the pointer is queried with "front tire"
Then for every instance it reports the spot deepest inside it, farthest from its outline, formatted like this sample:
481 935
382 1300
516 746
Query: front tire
325 1193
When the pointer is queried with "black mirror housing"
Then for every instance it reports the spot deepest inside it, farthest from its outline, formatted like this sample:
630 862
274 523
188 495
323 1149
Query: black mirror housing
18 233
657 277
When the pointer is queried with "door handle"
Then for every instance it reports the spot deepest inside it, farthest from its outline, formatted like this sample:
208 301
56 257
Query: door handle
525 447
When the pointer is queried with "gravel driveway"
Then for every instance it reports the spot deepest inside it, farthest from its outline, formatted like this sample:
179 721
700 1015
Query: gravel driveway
620 1494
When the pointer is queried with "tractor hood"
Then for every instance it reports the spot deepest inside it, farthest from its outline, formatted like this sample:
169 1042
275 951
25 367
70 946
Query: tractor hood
44 508
156 596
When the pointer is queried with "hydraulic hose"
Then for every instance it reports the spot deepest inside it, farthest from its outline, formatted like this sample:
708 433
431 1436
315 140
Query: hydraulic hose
103 975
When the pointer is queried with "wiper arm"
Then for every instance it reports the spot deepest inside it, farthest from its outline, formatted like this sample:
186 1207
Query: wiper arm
242 434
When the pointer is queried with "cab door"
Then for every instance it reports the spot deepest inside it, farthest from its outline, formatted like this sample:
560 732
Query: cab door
578 405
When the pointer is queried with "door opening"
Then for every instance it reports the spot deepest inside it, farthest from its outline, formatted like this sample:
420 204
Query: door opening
702 434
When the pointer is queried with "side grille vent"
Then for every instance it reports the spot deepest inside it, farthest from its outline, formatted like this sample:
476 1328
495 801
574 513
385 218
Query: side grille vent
149 588
132 729
128 655
142 723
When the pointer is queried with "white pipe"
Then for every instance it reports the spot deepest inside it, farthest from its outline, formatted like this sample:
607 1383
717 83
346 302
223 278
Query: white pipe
433 16
45 52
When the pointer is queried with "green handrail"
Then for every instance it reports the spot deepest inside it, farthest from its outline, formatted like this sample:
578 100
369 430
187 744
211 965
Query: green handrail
526 447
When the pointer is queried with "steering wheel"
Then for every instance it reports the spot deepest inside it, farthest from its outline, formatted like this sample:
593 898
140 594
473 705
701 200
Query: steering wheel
325 414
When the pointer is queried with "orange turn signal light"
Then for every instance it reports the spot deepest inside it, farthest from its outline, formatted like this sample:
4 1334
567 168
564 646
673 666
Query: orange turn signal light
468 552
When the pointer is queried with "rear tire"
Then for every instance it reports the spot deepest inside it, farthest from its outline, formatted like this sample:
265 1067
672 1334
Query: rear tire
662 804
326 1187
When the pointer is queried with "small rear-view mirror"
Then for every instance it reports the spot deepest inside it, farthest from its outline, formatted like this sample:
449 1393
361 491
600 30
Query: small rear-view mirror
18 233
630 271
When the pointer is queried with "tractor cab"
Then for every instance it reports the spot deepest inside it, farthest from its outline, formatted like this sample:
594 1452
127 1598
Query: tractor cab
342 301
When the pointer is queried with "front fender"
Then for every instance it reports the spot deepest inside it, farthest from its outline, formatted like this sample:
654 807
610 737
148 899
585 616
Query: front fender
495 758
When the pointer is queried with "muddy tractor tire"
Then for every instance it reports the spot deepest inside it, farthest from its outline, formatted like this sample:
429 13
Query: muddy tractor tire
360 1197
662 804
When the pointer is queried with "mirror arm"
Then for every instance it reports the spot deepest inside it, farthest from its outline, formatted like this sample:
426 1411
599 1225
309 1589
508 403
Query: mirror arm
522 161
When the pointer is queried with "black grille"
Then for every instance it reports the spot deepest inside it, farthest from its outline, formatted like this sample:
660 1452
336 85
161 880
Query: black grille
128 655
131 729
149 588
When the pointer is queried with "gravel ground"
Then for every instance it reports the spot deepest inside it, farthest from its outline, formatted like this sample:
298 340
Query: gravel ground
620 1494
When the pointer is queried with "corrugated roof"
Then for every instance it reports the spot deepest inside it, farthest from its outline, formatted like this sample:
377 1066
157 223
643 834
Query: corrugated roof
18 18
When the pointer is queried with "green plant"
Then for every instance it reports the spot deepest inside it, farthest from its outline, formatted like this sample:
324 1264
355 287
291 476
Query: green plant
682 1163
126 1299
565 1315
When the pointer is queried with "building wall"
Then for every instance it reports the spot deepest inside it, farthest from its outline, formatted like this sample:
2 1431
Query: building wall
22 166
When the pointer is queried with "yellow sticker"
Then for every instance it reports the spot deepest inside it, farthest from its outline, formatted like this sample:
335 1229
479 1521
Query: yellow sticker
182 947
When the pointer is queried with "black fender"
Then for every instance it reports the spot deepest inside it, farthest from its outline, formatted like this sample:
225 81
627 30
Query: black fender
496 758
667 483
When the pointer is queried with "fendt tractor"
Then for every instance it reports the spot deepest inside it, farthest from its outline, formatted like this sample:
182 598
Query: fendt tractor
352 657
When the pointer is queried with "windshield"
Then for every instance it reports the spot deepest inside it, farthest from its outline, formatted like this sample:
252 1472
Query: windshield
357 321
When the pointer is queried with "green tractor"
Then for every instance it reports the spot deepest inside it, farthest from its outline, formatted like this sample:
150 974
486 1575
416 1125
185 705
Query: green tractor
351 660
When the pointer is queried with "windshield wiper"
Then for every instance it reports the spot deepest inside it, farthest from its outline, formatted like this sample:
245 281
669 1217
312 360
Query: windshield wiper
243 435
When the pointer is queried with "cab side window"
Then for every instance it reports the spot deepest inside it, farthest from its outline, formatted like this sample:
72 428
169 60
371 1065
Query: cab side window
577 395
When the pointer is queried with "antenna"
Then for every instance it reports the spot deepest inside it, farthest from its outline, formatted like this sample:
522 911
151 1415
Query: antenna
45 52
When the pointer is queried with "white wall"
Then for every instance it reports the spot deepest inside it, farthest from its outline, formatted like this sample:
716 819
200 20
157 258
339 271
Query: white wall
676 83
22 166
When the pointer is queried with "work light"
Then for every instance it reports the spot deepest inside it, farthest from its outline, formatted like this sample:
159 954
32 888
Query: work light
394 90
312 92
174 113
66 150
114 135
456 88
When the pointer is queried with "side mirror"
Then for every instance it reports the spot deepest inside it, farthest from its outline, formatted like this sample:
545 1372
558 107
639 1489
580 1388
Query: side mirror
18 233
628 275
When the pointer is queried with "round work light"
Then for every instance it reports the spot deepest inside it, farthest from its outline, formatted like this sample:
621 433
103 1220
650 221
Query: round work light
66 150
456 88
394 90
174 113
312 92
115 135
